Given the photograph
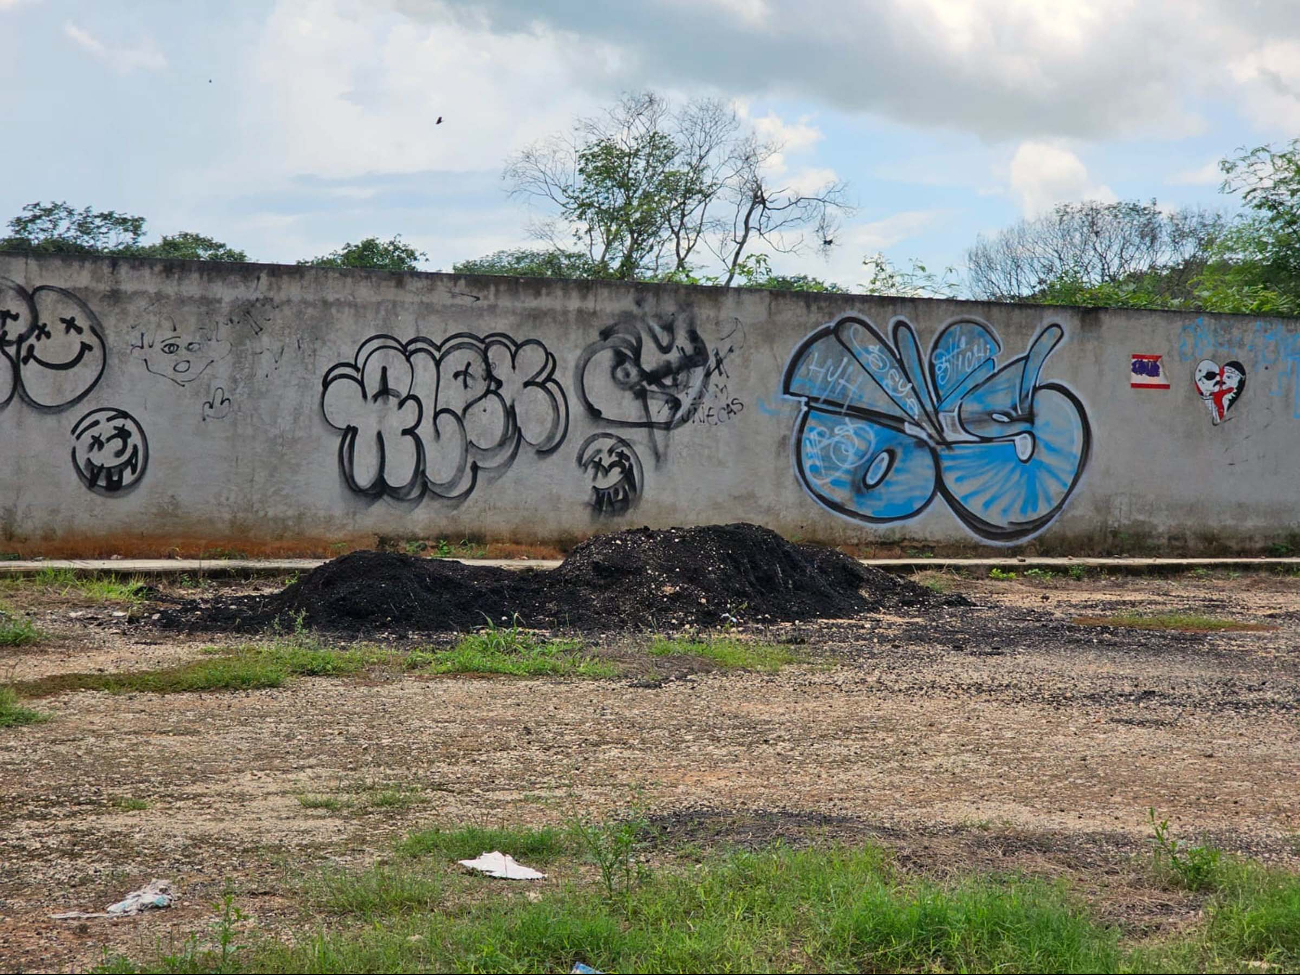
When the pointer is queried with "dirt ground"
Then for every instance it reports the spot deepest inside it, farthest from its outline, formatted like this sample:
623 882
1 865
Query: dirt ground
999 735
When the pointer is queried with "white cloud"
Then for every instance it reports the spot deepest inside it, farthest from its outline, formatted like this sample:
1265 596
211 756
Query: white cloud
856 240
1205 175
998 68
338 91
1042 174
144 56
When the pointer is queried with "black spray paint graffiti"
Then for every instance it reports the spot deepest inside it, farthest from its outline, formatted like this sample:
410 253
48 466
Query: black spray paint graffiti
180 354
52 348
655 375
200 355
217 406
425 417
614 470
110 451
1219 386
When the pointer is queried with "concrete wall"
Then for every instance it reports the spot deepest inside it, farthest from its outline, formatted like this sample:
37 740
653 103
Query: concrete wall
148 405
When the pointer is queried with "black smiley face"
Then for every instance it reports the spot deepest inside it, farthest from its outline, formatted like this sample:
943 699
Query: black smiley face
61 355
109 451
614 470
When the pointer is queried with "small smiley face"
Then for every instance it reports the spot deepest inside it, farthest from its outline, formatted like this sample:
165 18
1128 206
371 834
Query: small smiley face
109 451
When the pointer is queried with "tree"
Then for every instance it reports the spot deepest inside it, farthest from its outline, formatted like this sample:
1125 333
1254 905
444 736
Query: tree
917 281
386 255
57 228
1256 264
1078 246
526 263
187 246
641 188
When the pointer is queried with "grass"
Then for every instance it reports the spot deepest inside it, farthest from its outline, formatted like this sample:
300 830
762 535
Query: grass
514 651
98 589
254 666
728 652
532 845
1187 622
777 909
327 803
13 714
17 631
128 804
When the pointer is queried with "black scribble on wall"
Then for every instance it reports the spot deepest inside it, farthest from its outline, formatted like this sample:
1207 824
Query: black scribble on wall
217 406
110 451
643 374
52 347
181 353
614 471
658 375
424 417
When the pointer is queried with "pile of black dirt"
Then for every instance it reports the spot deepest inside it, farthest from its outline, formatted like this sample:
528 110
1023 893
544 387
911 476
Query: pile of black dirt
706 576
384 590
639 579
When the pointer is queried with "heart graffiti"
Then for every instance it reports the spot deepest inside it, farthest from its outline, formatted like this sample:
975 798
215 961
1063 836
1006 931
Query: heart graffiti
1220 386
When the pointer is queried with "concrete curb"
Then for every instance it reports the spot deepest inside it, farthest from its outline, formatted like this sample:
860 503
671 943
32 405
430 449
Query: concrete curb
225 568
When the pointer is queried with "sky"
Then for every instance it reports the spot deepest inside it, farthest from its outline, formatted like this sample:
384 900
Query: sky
288 127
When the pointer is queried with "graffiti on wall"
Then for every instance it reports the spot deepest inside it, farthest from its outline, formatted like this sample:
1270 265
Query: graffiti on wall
110 451
614 472
424 417
883 431
180 354
658 374
1219 386
52 348
1269 350
1146 371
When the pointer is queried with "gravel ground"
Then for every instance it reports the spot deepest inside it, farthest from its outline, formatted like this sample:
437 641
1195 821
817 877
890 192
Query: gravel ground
998 734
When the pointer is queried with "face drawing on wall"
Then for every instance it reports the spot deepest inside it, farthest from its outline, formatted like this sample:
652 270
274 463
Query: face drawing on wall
181 355
614 470
52 348
1219 386
109 451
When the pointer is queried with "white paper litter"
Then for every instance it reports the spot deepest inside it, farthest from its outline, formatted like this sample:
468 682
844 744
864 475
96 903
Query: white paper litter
498 864
155 894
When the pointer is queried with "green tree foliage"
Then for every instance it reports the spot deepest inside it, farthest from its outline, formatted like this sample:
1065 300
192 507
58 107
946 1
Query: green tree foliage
648 191
1256 265
385 255
1095 249
528 263
914 281
57 228
187 246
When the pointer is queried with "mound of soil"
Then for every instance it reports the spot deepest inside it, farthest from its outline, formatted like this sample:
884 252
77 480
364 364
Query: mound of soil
384 590
639 579
645 579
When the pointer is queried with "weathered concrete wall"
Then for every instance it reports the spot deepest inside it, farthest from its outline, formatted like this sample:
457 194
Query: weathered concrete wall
146 405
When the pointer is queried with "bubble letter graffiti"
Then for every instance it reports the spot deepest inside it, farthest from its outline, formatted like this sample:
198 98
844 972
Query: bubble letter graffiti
881 435
426 417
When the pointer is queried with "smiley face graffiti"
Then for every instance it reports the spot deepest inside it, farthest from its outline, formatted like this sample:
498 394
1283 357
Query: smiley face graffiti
180 354
52 349
109 451
614 470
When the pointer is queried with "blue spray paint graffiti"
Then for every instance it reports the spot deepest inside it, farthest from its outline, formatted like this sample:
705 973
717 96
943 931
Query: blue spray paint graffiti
880 434
1267 347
